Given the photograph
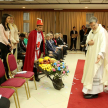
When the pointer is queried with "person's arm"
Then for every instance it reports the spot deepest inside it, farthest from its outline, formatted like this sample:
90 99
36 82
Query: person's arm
80 33
12 37
17 36
88 41
4 38
49 47
76 34
101 53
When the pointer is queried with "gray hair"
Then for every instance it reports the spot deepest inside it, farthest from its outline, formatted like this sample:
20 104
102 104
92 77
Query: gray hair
47 35
57 34
93 19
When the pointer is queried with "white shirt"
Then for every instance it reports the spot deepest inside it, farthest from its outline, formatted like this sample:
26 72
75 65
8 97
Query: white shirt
39 39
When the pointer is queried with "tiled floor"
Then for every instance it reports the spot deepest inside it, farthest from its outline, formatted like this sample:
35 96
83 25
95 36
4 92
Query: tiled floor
46 96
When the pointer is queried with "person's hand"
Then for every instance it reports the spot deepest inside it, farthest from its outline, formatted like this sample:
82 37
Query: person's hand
11 48
36 61
91 42
17 42
82 45
9 44
98 59
24 53
50 52
56 49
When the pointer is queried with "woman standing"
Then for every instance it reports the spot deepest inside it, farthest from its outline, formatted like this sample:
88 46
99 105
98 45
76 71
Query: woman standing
5 41
14 35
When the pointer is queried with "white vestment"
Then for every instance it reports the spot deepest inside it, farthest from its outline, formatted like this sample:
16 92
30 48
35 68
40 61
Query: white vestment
93 73
39 39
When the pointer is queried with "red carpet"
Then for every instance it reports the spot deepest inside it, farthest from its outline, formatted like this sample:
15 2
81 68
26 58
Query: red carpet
76 99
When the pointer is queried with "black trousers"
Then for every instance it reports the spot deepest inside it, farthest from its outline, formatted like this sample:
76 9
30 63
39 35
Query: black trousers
4 102
64 50
14 50
35 72
85 52
4 51
73 42
22 57
59 54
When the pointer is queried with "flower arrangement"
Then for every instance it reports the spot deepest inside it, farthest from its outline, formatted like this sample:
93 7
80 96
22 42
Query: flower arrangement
54 67
51 66
59 69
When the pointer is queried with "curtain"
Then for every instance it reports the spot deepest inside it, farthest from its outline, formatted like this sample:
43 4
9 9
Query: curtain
48 19
0 16
70 19
102 18
105 20
99 16
18 18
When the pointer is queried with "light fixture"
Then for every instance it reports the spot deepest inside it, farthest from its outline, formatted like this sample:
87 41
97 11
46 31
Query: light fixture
86 7
23 7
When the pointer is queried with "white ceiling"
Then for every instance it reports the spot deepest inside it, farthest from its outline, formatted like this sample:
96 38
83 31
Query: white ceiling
54 4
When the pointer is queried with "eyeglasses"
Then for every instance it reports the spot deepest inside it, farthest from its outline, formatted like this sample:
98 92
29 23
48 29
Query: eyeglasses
93 25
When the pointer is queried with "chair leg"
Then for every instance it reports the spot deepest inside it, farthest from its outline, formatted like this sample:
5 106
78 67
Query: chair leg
28 88
15 101
17 97
34 82
26 91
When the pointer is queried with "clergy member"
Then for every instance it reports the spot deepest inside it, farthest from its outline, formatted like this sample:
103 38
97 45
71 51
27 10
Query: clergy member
95 69
35 47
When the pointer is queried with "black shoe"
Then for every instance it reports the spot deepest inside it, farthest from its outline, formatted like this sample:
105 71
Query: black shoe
71 49
37 79
90 96
22 67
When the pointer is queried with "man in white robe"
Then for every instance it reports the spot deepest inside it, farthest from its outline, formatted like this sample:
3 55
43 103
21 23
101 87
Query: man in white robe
94 75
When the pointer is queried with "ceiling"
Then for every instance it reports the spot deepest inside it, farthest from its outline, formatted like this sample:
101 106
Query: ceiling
54 4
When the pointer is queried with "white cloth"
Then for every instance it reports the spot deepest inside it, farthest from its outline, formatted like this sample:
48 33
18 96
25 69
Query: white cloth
39 39
14 35
0 96
90 67
97 86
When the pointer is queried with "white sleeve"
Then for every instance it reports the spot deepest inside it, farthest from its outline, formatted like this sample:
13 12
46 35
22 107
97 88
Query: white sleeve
101 54
88 38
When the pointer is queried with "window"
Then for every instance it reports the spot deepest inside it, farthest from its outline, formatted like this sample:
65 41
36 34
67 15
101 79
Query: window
88 16
26 22
26 16
26 27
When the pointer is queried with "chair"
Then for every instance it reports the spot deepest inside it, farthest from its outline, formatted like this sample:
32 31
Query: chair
7 93
12 65
13 83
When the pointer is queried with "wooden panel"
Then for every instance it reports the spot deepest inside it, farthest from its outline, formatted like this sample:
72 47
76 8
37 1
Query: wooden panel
0 16
64 10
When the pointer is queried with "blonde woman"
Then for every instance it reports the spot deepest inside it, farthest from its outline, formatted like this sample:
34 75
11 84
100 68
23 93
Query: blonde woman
14 35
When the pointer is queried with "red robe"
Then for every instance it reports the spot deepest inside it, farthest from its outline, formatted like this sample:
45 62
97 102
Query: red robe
30 51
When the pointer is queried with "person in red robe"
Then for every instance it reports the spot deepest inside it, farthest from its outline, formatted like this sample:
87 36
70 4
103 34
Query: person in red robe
35 47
